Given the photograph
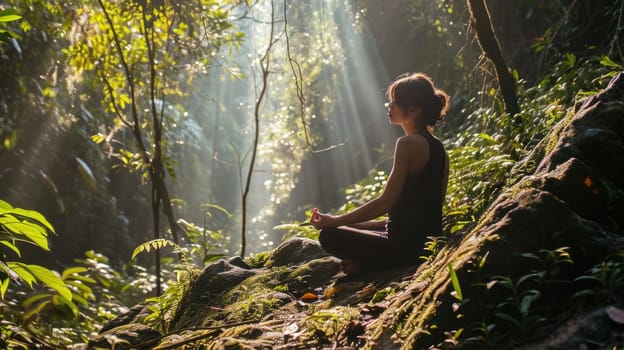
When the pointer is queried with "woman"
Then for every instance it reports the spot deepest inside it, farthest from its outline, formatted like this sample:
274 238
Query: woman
414 192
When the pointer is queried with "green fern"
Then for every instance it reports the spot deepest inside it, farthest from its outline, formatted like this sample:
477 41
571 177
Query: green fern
154 244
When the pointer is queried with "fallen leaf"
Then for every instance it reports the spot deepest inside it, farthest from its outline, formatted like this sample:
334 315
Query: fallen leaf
588 182
331 292
309 297
368 290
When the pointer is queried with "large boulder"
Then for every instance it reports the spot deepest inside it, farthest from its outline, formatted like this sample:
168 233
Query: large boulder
213 281
298 265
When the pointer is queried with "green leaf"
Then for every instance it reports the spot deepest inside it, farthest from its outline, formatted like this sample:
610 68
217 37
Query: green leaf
81 278
11 246
51 280
489 139
4 286
22 272
8 17
98 138
483 260
455 282
531 256
527 277
58 300
34 216
34 233
457 227
587 278
86 290
528 299
37 308
607 62
571 59
72 271
507 317
48 92
205 207
584 292
80 300
33 273
35 298
4 207
212 257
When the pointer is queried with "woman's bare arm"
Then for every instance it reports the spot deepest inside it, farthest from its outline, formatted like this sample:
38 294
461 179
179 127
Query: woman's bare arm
404 150
370 225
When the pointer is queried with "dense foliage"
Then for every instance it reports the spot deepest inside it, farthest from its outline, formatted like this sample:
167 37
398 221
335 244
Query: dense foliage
100 98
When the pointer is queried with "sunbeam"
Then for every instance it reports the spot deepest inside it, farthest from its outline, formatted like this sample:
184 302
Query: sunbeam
344 107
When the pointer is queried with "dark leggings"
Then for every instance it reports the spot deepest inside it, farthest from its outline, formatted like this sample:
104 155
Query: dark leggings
368 248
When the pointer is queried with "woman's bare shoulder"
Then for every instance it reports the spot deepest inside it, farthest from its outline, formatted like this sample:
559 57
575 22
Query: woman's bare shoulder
416 140
416 147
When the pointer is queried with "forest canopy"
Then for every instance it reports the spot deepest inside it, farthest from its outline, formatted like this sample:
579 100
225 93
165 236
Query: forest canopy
140 136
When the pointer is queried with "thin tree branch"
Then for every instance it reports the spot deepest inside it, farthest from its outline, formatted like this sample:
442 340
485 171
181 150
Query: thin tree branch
265 61
298 76
136 129
116 109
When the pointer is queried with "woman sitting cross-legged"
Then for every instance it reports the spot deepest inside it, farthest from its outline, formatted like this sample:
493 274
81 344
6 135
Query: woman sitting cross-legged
413 195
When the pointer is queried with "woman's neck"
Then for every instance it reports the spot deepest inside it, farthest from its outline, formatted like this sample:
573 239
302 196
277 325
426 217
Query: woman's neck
411 129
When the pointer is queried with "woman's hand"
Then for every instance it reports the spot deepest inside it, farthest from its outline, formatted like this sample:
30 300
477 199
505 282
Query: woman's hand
320 220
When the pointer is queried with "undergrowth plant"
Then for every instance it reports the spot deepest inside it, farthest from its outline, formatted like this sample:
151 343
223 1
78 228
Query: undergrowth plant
44 308
200 247
602 284
21 226
37 302
518 308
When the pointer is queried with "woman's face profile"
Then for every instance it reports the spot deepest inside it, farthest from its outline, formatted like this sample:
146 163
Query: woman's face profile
396 115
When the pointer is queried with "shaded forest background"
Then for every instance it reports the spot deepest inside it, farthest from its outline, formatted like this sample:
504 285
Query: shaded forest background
309 76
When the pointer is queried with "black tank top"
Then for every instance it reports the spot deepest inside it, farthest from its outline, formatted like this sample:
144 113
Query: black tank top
418 212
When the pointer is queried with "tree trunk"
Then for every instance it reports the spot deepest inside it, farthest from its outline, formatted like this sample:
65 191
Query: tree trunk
480 21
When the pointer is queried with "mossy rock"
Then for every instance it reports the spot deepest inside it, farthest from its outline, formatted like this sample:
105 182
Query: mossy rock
295 251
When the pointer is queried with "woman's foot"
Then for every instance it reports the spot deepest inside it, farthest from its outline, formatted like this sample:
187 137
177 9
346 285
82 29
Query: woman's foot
351 267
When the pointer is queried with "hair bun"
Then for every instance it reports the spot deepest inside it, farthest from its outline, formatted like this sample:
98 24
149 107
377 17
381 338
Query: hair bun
442 99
